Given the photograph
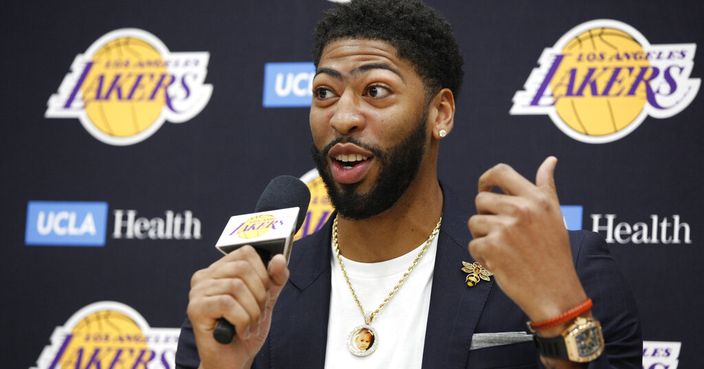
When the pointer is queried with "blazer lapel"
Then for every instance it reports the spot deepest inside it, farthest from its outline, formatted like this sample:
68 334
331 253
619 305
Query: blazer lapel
306 298
454 307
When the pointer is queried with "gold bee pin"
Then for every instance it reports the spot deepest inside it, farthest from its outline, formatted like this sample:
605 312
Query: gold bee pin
475 273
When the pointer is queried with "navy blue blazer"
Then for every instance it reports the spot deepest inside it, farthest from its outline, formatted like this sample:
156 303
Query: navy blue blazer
456 311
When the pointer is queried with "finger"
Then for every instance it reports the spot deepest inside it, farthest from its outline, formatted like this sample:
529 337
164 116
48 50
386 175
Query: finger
251 255
247 253
505 178
496 203
243 270
476 249
278 271
480 225
245 299
205 311
545 177
234 264
236 288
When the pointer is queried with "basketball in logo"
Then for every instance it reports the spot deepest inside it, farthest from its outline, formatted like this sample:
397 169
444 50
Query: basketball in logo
595 107
127 111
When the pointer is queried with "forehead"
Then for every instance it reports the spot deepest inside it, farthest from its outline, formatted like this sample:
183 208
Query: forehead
347 54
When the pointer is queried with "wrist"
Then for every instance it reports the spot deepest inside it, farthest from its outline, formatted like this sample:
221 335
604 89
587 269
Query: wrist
557 330
562 319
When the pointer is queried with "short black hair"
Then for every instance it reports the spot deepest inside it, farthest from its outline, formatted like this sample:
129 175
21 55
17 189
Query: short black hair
419 34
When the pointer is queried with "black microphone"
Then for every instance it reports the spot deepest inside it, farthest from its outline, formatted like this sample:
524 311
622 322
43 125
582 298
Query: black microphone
268 234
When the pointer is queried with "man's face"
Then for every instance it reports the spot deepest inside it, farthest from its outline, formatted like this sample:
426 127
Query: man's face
368 120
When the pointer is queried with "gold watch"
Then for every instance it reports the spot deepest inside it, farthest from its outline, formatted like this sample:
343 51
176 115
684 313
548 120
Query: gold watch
581 342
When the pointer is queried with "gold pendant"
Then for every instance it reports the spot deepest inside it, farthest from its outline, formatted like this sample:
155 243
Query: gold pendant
476 273
362 341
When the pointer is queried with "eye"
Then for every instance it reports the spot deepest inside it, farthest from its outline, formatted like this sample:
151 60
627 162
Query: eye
322 93
377 91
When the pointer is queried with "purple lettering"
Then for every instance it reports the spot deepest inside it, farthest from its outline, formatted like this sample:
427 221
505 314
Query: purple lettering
94 360
590 80
135 86
641 78
116 360
140 359
165 361
161 85
60 353
185 85
546 82
78 85
614 80
236 229
116 87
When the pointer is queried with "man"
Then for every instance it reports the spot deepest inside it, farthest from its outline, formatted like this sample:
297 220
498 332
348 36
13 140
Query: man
390 260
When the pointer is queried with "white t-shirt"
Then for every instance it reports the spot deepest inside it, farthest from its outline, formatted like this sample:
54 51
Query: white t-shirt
400 326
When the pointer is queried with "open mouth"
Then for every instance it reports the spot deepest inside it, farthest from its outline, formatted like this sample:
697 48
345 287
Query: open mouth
349 161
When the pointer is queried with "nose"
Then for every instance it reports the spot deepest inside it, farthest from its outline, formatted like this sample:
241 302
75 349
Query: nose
347 117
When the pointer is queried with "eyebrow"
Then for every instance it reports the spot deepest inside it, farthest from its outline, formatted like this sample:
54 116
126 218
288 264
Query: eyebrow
361 69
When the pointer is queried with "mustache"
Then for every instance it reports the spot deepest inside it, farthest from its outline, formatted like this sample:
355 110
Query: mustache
346 139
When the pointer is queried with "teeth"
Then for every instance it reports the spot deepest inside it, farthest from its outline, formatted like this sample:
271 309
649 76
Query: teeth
349 158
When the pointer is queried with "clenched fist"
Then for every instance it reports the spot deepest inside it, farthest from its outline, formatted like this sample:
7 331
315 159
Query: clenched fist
239 288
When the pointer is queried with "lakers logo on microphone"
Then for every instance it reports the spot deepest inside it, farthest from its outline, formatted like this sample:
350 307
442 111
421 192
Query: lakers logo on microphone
127 84
601 80
257 226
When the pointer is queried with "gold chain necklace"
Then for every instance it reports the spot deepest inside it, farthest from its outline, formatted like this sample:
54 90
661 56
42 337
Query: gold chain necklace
362 341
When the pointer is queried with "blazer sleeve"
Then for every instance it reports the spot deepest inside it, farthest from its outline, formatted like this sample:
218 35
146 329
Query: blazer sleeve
187 352
614 305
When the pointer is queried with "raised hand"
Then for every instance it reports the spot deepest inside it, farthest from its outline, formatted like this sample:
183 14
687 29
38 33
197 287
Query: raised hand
520 236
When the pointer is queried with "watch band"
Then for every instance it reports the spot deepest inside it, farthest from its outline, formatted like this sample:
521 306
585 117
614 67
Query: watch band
551 346
581 342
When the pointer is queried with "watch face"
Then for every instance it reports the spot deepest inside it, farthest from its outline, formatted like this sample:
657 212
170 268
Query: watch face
588 342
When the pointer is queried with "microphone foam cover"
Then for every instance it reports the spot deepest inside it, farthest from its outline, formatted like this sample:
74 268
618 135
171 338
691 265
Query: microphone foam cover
285 192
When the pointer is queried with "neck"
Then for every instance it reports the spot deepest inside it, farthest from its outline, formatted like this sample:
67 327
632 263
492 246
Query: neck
397 230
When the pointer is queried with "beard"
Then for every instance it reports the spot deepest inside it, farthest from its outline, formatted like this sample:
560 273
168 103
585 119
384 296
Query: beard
398 167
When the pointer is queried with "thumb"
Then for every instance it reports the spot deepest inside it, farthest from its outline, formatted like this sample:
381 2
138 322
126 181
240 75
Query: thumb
545 178
278 272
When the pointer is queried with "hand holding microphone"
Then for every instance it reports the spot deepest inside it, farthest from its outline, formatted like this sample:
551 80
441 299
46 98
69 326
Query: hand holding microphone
238 288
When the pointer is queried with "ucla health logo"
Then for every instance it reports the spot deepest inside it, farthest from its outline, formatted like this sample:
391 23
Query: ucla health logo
127 84
57 223
572 215
603 78
288 84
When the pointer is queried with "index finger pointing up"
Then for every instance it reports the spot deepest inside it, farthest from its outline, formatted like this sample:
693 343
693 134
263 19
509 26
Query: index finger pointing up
505 178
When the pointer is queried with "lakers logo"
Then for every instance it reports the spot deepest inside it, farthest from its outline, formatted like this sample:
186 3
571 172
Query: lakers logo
257 226
109 335
320 207
603 78
127 84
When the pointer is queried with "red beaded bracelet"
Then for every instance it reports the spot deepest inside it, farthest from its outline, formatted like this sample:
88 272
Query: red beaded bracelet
565 317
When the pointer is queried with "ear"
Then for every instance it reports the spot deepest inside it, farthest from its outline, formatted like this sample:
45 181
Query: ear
442 113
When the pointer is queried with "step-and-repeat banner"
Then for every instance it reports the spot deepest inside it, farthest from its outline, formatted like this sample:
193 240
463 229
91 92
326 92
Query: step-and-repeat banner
134 129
